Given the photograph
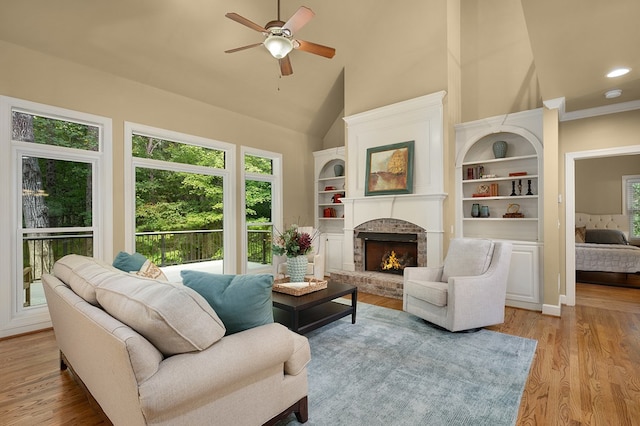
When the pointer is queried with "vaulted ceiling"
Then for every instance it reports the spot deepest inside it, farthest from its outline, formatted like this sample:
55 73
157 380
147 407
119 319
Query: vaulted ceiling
178 46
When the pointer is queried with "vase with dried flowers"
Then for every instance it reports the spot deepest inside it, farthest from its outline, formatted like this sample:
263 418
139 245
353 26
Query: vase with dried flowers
295 245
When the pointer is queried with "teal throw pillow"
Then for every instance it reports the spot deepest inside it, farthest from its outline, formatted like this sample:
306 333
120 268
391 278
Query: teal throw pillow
241 301
129 262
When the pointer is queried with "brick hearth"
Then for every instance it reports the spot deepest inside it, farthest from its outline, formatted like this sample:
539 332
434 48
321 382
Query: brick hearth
379 283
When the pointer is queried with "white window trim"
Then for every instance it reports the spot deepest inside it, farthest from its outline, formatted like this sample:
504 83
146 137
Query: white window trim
228 174
14 319
276 189
625 207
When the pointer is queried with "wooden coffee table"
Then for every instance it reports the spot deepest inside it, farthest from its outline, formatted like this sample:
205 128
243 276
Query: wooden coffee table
310 311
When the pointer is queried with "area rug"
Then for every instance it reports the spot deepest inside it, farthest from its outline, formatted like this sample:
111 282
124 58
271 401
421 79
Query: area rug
392 368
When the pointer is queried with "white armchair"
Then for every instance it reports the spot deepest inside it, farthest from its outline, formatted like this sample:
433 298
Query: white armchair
316 267
467 292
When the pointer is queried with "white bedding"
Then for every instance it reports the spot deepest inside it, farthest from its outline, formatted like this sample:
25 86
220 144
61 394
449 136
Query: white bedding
607 257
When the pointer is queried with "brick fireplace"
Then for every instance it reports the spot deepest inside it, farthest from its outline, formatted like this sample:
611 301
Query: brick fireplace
419 213
377 238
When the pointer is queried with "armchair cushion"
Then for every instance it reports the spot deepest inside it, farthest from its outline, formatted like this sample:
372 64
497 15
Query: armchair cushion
429 291
241 301
467 257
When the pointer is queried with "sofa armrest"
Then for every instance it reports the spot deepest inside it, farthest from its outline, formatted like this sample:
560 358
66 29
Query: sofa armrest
231 362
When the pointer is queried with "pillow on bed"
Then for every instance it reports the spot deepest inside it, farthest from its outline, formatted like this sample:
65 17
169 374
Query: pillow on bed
605 236
581 231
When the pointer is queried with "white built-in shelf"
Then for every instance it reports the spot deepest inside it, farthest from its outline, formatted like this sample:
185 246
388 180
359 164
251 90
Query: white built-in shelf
500 178
477 162
505 219
500 197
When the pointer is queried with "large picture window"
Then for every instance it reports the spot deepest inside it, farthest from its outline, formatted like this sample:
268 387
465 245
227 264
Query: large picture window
61 167
181 208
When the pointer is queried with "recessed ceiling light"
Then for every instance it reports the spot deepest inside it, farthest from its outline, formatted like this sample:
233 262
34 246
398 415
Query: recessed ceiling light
618 72
614 93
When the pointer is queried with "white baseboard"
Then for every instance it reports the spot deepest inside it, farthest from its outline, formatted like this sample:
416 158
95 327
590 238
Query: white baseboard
553 310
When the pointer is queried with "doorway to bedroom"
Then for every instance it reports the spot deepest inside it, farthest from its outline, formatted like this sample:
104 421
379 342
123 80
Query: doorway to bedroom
576 196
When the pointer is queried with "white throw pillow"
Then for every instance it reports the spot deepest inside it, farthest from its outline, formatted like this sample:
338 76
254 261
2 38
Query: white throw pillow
174 318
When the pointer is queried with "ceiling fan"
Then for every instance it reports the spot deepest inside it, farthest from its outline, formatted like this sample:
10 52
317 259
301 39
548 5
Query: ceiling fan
279 37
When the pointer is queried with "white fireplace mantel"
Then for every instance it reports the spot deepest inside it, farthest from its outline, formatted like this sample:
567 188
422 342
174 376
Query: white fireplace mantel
419 120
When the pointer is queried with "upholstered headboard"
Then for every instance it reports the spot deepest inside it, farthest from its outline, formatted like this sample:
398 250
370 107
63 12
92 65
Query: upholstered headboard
603 221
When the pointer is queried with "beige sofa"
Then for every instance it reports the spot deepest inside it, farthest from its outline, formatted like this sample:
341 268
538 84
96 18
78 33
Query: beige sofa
191 374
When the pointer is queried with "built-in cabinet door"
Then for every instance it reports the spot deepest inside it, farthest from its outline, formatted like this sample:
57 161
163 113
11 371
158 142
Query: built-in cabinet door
523 286
333 252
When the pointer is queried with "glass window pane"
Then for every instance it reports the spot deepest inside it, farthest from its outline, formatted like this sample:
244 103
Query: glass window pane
55 193
40 251
261 165
634 207
49 131
176 152
259 238
179 216
258 201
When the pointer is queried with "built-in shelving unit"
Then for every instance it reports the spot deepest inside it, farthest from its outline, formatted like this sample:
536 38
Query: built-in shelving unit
507 191
506 194
329 211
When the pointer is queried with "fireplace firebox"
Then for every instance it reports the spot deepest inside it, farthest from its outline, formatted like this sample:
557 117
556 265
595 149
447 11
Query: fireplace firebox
389 252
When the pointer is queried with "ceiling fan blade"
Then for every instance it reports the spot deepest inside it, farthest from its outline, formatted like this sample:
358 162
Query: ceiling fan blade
316 49
285 66
298 20
244 21
237 49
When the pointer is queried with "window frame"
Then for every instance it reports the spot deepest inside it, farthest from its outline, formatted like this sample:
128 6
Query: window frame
227 173
275 178
20 318
627 180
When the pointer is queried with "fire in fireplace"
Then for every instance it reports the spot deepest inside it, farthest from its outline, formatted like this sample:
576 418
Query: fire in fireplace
389 252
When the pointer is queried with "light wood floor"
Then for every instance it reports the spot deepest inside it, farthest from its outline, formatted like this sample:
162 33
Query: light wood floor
586 370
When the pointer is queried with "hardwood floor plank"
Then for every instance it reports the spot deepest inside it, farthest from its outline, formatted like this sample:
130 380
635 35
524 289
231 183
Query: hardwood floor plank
586 369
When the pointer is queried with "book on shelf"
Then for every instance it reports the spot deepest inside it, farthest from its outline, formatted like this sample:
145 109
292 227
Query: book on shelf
475 172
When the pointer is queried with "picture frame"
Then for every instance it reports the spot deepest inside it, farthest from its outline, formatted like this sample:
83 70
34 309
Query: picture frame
390 169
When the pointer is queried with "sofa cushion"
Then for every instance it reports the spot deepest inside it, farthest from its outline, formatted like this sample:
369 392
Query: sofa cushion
241 301
467 257
129 262
83 274
432 292
174 318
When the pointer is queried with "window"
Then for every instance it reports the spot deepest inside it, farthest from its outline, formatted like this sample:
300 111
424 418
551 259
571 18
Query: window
180 200
631 205
261 205
61 165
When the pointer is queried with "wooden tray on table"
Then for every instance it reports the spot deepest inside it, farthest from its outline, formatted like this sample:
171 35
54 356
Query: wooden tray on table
282 285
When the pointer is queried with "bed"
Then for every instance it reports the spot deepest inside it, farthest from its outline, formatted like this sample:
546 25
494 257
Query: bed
603 254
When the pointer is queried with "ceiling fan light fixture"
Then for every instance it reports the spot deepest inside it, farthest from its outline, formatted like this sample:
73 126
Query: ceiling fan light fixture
279 46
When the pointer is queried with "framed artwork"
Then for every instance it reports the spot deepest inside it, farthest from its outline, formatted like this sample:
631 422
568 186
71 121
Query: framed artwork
390 169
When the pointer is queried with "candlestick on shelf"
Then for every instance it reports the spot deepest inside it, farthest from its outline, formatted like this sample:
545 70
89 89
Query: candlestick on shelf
519 186
529 187
513 188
